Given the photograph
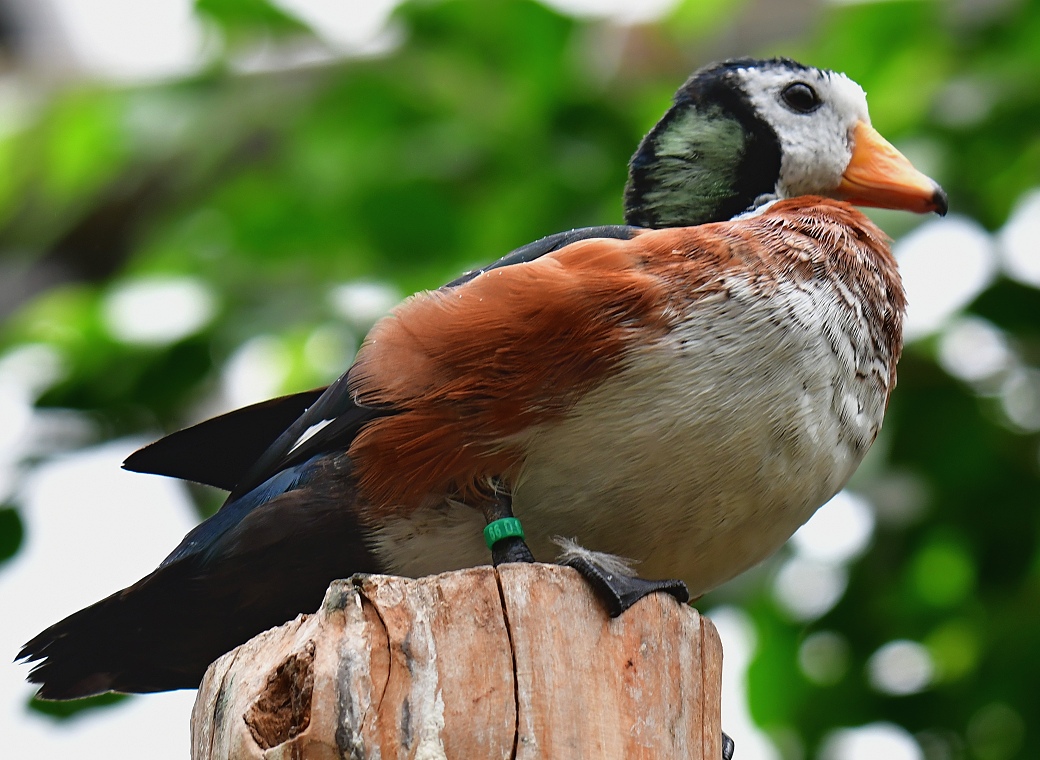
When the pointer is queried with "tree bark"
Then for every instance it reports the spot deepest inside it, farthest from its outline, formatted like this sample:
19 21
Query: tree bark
519 661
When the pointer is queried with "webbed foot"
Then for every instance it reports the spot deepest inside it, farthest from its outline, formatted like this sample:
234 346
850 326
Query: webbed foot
615 582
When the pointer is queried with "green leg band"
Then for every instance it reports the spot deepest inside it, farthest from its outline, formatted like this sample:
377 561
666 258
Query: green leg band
507 527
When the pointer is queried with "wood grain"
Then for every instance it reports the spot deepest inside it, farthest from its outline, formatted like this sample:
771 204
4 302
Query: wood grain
519 662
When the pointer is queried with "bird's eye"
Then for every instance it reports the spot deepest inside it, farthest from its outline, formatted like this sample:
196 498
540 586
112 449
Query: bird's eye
801 98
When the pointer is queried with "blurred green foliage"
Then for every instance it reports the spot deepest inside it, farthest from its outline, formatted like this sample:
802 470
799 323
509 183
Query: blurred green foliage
11 532
486 128
75 707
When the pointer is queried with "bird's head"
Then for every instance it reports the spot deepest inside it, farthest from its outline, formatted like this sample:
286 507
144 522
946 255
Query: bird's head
743 132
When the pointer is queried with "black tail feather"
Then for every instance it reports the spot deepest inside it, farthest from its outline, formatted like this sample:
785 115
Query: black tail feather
164 631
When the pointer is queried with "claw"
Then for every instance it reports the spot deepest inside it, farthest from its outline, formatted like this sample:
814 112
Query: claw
622 591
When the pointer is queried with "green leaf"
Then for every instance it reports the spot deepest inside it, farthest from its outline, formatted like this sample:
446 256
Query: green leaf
943 572
12 532
74 707
249 18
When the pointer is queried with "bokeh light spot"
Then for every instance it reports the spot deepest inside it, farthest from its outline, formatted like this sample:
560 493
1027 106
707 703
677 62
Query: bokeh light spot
944 265
964 102
157 311
350 25
806 589
876 741
1020 399
1020 240
362 303
900 667
996 732
621 11
973 350
900 498
256 371
329 350
824 657
32 367
132 41
943 572
839 531
955 649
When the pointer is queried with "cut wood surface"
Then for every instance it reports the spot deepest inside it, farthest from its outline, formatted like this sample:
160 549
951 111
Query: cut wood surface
519 661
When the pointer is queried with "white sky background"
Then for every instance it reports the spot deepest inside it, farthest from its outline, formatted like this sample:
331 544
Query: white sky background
93 528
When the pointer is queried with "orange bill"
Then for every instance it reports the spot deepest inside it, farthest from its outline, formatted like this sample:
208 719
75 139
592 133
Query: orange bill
879 175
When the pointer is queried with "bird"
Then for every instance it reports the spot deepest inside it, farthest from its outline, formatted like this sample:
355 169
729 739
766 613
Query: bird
682 391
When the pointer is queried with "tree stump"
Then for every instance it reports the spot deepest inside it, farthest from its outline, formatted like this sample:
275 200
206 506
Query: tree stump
519 661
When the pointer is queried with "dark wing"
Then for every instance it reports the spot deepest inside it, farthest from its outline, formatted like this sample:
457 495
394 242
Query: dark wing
219 451
328 425
238 450
548 244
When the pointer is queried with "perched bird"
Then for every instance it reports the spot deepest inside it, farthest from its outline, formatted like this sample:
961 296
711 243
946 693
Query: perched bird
684 391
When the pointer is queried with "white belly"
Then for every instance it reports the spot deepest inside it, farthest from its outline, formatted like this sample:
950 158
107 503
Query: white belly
699 459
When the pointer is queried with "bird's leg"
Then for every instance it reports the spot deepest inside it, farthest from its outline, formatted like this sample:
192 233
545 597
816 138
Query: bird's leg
619 586
615 581
503 534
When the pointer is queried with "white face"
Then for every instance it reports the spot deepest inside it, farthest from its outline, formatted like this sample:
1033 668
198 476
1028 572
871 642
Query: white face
815 147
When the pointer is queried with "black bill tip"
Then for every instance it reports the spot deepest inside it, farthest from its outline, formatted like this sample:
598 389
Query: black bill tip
940 201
